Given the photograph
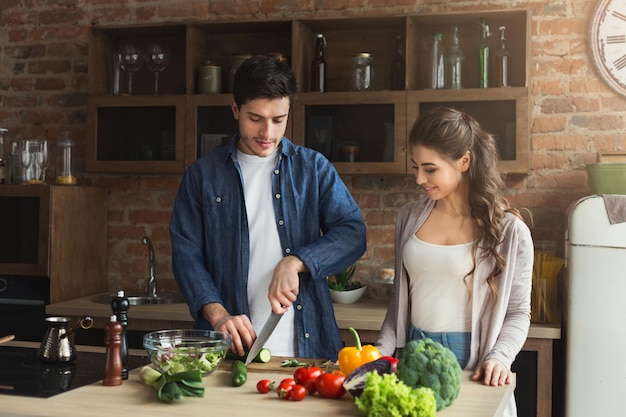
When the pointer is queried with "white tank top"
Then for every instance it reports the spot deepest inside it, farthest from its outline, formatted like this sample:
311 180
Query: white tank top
439 298
265 250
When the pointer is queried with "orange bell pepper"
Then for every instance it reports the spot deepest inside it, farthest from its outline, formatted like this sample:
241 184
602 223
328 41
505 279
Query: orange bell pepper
351 357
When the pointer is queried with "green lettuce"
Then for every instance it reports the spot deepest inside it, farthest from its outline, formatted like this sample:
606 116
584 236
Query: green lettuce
386 396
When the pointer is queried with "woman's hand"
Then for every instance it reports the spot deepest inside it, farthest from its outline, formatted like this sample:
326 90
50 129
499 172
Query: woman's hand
493 372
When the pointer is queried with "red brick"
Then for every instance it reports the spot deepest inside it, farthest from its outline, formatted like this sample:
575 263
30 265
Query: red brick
233 7
548 124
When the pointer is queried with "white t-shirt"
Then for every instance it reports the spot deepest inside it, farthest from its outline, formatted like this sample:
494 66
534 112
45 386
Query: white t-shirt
439 298
265 250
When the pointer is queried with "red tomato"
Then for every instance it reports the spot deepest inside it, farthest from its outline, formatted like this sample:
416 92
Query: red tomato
284 388
297 393
330 384
314 372
301 375
310 386
288 381
264 386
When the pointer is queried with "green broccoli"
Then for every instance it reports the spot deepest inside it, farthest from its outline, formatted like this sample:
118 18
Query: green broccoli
426 363
385 396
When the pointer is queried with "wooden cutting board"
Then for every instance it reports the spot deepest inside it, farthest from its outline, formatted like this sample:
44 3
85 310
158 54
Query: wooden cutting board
275 365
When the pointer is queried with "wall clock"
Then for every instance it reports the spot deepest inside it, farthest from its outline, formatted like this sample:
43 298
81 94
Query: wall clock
608 42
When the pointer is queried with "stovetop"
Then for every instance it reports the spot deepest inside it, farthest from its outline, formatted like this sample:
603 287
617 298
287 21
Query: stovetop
24 374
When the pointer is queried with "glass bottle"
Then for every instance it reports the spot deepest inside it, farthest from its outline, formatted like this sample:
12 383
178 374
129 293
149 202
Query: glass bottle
3 165
483 55
437 63
65 161
502 61
455 61
398 68
319 66
363 72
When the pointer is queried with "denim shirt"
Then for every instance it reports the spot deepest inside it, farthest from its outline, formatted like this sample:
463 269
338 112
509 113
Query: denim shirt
317 220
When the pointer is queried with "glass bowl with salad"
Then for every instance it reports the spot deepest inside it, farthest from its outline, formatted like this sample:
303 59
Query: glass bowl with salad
185 350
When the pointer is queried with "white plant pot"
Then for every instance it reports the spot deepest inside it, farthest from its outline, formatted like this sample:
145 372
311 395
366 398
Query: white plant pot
347 297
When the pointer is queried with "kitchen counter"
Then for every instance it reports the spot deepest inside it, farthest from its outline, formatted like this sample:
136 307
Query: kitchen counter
135 398
365 316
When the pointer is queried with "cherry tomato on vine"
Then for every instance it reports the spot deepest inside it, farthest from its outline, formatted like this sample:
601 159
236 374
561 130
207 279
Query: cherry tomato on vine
297 393
301 375
330 384
284 388
310 386
314 372
264 386
305 373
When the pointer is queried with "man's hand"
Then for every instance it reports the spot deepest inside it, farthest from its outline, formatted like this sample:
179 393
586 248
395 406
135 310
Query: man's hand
238 327
284 288
493 372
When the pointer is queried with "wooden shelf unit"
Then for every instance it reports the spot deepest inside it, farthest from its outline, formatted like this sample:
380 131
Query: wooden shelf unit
367 119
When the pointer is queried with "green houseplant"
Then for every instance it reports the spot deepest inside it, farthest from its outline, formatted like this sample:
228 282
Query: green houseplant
343 289
343 280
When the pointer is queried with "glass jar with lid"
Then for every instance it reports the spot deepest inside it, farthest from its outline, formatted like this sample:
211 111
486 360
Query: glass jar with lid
363 72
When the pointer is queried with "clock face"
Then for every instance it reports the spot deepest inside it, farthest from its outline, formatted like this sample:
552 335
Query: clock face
608 42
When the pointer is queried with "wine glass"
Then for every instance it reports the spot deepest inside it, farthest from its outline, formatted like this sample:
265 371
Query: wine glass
40 159
26 159
132 60
157 59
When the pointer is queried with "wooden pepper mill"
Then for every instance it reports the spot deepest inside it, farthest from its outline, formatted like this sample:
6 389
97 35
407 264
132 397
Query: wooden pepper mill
120 306
113 360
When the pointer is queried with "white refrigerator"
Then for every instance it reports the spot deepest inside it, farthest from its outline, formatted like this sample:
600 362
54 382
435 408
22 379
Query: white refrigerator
594 311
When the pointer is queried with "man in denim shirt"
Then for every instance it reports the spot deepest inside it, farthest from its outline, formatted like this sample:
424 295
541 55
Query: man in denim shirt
263 218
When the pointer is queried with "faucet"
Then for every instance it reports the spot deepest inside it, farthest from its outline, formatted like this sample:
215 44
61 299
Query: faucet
152 284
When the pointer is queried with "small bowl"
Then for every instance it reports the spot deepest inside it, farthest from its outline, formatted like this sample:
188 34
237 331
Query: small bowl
185 350
607 178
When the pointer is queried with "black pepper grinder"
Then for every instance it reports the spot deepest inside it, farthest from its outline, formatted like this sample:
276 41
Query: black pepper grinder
113 358
120 306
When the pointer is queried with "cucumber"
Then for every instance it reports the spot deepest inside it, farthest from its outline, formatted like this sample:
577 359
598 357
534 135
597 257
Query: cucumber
238 373
264 356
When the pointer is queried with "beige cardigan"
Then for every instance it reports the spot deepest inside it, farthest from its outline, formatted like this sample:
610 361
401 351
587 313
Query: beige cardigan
498 331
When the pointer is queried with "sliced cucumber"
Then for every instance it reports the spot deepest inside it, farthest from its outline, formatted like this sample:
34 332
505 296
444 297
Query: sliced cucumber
264 356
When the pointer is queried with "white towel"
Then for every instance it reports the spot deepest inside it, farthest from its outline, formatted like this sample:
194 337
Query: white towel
615 207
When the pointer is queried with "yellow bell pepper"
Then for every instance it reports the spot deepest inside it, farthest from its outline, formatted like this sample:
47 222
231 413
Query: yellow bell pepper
351 357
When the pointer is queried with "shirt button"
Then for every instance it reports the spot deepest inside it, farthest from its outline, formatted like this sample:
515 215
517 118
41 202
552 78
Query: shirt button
277 195
288 250
299 307
306 335
276 171
218 199
280 222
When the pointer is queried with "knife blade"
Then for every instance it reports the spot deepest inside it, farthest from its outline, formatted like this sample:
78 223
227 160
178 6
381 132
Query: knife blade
266 332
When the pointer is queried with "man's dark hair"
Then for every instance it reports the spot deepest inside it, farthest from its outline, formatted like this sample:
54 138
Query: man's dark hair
262 76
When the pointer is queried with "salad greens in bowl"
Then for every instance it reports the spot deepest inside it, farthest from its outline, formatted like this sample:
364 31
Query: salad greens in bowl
186 350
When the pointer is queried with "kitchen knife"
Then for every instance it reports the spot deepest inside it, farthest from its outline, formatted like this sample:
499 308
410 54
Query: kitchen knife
266 332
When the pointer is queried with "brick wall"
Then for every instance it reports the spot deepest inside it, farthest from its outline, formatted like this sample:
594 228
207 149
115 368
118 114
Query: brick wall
43 85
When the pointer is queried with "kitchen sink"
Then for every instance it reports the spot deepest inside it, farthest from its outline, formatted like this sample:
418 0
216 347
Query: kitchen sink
144 299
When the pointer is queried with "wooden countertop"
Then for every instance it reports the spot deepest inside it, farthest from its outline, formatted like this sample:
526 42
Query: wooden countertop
135 398
363 315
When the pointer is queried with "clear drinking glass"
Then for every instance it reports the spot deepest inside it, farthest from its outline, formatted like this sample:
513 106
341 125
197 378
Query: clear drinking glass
131 61
157 59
